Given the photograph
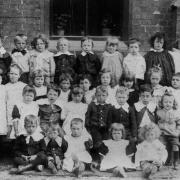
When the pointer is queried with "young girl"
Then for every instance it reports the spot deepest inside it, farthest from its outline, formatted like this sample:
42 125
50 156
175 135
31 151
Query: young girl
117 158
37 77
22 109
88 62
169 123
64 60
128 81
14 91
112 59
41 58
21 56
158 55
85 82
134 61
151 153
74 108
77 157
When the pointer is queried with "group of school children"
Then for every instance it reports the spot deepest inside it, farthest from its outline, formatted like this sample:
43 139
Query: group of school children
90 112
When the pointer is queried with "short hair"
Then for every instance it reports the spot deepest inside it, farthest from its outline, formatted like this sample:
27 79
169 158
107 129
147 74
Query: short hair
155 69
31 119
65 77
76 90
101 89
82 77
117 127
159 36
146 88
133 41
176 74
54 88
76 121
43 38
86 38
37 73
169 94
62 39
149 128
29 89
122 90
112 40
16 66
19 37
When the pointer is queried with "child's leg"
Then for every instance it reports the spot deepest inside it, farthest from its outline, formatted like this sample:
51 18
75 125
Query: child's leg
51 165
58 162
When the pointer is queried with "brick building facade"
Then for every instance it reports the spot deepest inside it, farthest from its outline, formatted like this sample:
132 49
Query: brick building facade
140 18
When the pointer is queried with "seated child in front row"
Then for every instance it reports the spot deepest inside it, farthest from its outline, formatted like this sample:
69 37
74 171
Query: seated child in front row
151 153
118 150
26 149
77 157
54 147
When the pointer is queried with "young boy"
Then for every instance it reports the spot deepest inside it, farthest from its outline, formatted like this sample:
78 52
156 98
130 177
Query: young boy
26 149
21 56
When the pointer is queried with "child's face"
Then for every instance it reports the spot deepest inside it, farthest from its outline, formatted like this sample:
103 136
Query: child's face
168 102
111 48
121 98
158 44
85 84
39 81
76 129
128 84
155 79
65 85
176 82
28 97
146 97
134 48
52 134
77 98
105 79
52 96
116 135
87 46
30 128
40 45
14 75
62 46
150 136
101 97
20 44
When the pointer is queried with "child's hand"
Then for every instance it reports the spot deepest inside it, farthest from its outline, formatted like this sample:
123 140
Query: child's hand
26 158
33 157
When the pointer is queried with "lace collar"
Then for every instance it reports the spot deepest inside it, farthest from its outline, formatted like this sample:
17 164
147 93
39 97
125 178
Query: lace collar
60 53
154 50
36 136
83 53
125 107
139 106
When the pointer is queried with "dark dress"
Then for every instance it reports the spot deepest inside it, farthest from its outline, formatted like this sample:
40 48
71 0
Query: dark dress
133 97
166 62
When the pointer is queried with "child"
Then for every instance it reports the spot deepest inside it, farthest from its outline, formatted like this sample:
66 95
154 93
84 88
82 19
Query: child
41 58
49 109
22 109
14 91
169 123
124 114
26 149
65 81
116 159
145 108
37 77
85 82
128 81
97 122
64 60
158 55
88 62
77 157
134 62
20 56
112 59
54 148
151 153
74 108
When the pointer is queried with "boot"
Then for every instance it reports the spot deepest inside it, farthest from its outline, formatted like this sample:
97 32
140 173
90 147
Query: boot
52 167
175 159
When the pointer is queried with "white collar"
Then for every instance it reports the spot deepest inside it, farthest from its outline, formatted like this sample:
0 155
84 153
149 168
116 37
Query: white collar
2 50
60 53
36 136
125 107
58 140
151 106
157 87
83 53
131 90
152 49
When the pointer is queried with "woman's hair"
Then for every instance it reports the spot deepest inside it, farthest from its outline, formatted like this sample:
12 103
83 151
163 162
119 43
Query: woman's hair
53 87
37 73
87 39
133 41
112 40
43 38
29 89
122 90
159 36
117 127
31 120
169 94
149 128
65 77
155 69
19 37
76 121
